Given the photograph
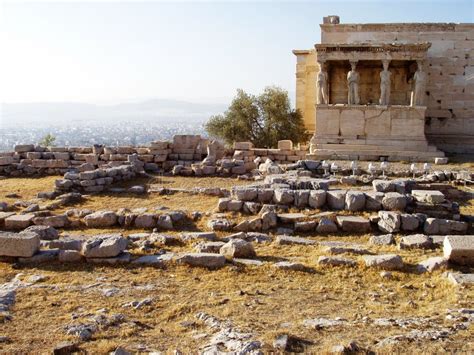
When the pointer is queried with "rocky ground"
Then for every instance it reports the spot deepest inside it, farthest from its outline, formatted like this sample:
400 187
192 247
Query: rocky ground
306 304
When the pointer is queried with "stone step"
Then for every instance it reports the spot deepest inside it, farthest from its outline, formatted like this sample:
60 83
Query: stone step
369 147
393 155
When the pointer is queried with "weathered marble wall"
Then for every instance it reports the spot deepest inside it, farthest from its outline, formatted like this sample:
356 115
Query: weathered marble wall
450 67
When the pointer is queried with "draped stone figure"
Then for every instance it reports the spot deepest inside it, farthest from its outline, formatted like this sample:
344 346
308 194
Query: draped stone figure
420 78
353 85
322 84
385 82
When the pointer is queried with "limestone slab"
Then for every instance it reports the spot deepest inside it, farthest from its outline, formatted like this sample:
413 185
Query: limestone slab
18 245
459 249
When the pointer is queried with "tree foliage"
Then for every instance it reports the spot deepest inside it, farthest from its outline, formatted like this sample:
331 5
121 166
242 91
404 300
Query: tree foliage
47 141
263 120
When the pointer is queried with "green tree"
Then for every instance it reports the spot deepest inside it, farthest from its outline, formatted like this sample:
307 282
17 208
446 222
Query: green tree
262 120
48 140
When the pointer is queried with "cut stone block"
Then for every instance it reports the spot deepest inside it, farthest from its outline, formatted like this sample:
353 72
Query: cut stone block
432 264
389 222
429 196
336 199
208 260
444 226
461 279
335 261
385 239
237 248
291 217
104 246
211 236
287 240
343 247
19 221
317 198
459 249
386 261
416 241
394 201
288 265
355 201
18 245
353 224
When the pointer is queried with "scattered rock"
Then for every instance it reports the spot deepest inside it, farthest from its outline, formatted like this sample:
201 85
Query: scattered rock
394 201
459 249
43 232
238 248
288 265
353 224
208 260
287 240
335 261
385 239
389 222
387 261
104 246
432 264
100 219
416 241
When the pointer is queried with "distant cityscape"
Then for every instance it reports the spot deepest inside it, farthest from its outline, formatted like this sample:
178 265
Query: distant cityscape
130 133
82 124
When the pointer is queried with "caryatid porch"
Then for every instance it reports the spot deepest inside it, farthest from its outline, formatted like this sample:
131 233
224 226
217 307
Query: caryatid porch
371 102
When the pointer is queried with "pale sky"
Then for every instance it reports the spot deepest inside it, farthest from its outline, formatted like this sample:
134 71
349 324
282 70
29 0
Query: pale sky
107 51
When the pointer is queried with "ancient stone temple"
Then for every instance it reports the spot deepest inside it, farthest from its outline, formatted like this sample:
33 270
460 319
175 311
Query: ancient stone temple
394 91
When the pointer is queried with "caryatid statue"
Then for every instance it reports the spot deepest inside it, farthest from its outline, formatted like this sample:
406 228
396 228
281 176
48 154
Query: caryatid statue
322 85
353 85
420 77
385 84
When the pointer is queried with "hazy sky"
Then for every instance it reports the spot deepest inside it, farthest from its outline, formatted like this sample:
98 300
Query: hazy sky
111 51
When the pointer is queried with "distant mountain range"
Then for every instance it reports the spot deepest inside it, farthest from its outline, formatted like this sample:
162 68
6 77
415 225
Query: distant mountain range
66 113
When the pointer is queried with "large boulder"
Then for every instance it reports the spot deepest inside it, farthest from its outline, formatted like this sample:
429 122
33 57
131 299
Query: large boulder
459 249
353 224
100 219
19 244
336 199
317 198
394 201
389 222
208 260
237 248
104 246
43 232
355 201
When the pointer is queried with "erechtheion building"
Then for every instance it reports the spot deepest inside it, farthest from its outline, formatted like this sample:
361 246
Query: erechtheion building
399 91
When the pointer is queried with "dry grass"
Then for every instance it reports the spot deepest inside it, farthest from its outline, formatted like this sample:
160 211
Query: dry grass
26 188
263 300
